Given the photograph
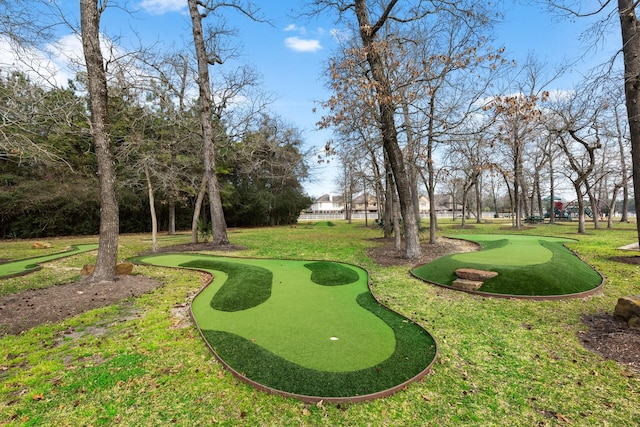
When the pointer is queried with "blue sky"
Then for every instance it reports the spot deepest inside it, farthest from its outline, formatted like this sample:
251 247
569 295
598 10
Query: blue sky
290 53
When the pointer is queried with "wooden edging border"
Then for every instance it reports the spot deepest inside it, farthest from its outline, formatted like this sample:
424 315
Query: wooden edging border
302 397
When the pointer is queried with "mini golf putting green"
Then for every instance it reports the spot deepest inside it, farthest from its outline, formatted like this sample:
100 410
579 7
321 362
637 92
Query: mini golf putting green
310 329
527 267
29 265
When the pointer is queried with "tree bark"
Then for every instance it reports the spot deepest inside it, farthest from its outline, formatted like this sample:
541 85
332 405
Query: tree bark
552 191
390 143
107 257
623 171
517 179
580 200
431 173
478 189
630 27
197 208
389 191
152 210
218 223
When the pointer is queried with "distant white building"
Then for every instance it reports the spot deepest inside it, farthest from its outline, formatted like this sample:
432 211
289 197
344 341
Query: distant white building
328 204
335 204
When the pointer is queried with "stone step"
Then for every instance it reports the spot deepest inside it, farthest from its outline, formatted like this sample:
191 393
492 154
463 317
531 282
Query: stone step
628 308
467 285
475 274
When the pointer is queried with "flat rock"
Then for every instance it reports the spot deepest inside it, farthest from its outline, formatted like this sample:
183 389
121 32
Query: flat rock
628 307
122 268
467 285
475 274
41 245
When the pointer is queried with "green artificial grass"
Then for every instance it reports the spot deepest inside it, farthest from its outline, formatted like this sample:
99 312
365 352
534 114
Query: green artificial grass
331 274
312 336
28 265
324 224
526 266
246 285
415 350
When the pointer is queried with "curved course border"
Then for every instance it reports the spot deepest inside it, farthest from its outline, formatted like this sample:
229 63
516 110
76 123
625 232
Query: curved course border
349 377
25 266
582 294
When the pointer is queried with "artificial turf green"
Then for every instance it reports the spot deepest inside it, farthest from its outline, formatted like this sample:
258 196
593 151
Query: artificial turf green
415 350
526 265
331 273
28 265
246 285
308 338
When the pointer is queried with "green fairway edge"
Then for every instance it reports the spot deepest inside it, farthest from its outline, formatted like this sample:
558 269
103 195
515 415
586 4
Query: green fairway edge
317 385
35 261
526 271
406 364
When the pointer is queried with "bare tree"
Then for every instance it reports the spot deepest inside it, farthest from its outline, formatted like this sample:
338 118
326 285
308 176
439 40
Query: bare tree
211 128
90 13
372 53
630 30
578 133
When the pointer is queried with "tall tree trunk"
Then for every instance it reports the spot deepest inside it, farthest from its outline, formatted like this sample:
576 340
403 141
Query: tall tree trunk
539 196
107 257
431 175
595 208
171 228
218 223
552 195
384 94
612 205
580 200
197 208
623 171
630 27
465 193
478 191
517 179
397 241
152 210
410 153
377 179
389 191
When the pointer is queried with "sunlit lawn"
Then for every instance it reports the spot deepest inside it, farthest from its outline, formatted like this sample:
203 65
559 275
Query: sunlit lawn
501 362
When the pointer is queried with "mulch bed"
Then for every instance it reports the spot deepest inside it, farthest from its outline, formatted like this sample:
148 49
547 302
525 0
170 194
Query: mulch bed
612 338
22 311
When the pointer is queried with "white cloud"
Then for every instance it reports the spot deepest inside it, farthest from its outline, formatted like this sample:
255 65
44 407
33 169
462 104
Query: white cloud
294 27
160 7
302 45
59 61
38 65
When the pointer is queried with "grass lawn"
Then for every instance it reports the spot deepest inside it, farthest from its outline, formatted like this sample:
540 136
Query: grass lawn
500 362
526 266
27 265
